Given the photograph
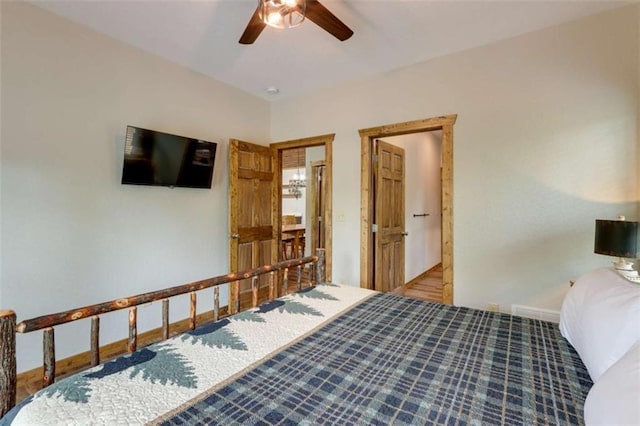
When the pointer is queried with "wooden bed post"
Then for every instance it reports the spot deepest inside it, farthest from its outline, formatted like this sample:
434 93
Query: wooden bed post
320 277
95 340
7 361
49 357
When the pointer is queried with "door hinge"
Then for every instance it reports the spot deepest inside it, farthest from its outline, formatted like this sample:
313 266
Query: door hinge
374 157
374 227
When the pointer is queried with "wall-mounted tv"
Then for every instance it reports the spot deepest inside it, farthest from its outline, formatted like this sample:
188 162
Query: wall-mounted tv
161 159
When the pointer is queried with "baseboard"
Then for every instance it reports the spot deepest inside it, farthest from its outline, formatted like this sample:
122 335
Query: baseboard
535 313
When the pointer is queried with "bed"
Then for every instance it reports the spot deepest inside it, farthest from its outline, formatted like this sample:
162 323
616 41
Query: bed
332 354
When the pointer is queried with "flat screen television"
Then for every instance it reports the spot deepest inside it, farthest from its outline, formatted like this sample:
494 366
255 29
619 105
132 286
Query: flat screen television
162 159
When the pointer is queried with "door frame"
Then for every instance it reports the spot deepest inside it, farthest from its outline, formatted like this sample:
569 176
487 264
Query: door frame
444 123
327 142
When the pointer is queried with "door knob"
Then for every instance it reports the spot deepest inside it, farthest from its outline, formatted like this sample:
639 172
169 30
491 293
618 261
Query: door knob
234 236
404 234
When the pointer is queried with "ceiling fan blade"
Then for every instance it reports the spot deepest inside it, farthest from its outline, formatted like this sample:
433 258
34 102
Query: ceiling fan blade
326 20
253 30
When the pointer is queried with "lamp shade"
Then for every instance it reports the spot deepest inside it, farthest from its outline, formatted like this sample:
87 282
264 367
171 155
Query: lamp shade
616 238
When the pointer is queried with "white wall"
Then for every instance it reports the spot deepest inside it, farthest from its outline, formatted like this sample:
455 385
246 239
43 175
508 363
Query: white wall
72 234
1 103
423 244
545 143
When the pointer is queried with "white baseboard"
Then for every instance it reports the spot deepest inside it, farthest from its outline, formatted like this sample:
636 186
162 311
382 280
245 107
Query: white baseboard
535 313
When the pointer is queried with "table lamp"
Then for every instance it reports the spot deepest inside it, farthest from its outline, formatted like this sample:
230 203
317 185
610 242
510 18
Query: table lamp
618 238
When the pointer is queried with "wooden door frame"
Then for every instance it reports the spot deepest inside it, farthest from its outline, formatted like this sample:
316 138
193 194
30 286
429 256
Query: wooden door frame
327 142
444 123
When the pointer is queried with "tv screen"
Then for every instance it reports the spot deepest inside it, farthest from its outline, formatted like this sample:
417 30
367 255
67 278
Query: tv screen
161 159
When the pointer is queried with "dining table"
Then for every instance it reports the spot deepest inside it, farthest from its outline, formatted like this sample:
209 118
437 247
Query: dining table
297 230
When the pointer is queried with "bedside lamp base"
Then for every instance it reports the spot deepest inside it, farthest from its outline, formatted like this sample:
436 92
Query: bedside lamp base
625 269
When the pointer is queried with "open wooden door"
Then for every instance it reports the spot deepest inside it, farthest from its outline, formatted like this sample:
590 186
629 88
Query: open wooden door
318 196
253 227
389 211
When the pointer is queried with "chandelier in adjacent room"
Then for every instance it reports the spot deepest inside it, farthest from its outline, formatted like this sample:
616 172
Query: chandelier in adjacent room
298 180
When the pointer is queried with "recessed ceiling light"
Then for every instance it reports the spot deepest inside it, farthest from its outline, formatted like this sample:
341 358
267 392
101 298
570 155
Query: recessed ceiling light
272 90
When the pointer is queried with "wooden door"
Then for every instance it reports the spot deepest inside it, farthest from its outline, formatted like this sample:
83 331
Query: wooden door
317 205
389 211
253 225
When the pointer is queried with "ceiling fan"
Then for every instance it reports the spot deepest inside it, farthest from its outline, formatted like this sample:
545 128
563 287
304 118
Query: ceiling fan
290 13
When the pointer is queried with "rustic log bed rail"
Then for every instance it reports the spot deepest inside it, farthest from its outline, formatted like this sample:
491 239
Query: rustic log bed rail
9 327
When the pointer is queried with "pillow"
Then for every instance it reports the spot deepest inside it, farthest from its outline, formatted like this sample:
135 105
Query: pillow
600 317
615 398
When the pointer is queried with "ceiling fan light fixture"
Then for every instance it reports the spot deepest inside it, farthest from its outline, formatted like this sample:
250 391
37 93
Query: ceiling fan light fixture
282 13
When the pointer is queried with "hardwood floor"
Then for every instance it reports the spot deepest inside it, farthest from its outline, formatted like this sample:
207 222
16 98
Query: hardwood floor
427 286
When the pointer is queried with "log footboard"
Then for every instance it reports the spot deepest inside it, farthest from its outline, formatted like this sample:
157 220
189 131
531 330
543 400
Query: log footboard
7 361
9 327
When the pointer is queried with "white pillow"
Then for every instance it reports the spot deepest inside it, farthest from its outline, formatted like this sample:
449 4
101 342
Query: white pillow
615 398
600 317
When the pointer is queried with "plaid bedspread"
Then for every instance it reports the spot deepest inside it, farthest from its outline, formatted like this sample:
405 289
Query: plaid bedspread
393 360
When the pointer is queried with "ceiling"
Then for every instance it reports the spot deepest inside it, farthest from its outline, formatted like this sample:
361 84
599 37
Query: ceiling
388 34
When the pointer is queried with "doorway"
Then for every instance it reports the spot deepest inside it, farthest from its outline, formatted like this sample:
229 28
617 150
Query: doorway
422 220
308 204
368 262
